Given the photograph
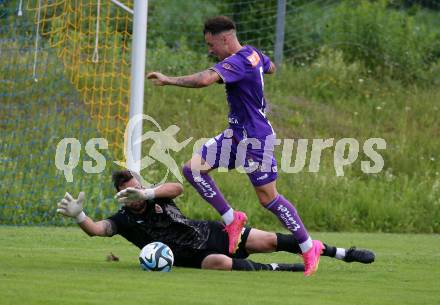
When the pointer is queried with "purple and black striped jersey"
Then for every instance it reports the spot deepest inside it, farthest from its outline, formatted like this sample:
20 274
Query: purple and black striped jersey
242 73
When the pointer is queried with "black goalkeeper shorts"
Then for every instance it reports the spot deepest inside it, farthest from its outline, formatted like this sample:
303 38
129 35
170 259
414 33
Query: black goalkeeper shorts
217 243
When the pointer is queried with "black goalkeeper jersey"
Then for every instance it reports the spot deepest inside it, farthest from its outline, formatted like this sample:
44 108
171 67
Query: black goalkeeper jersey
162 221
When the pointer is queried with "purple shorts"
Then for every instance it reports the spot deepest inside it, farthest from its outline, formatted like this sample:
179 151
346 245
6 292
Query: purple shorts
232 149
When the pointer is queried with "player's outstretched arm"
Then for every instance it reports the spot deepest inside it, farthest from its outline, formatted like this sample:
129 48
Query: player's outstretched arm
73 208
102 228
166 190
197 80
272 68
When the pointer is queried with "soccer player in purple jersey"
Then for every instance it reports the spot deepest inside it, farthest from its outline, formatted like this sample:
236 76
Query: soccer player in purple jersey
241 69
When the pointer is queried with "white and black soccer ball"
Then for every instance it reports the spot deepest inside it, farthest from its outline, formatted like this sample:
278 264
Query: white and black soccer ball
156 256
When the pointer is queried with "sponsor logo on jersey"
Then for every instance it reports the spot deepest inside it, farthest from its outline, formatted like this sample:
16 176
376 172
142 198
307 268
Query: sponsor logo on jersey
232 120
254 59
227 66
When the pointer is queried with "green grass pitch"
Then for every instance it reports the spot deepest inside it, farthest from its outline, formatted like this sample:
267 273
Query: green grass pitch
53 265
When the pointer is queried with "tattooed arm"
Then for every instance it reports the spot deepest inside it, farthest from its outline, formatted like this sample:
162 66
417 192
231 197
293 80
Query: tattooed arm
197 80
71 207
104 227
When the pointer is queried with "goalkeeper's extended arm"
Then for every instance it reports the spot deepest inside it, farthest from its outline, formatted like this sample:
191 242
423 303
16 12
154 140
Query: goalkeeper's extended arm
166 190
72 207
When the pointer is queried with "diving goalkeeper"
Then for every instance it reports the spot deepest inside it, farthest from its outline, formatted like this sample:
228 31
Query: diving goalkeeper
151 214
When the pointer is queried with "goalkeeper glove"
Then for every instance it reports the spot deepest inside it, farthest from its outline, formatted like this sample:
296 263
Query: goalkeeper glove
72 207
132 194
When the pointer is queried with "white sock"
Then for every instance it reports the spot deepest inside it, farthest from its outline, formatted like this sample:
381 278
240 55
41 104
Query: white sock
340 253
306 246
274 266
228 217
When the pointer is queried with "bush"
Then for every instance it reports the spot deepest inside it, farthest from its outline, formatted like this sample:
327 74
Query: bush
170 20
305 23
177 59
257 25
386 41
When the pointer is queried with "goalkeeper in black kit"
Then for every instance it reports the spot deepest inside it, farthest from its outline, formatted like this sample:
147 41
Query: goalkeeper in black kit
150 214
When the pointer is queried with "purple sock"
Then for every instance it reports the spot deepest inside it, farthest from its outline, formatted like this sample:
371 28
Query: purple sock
286 213
206 187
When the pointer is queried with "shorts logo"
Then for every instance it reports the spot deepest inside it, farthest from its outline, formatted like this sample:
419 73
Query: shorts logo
263 177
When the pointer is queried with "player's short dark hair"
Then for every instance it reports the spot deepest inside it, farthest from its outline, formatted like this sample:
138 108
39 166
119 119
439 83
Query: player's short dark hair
218 24
120 177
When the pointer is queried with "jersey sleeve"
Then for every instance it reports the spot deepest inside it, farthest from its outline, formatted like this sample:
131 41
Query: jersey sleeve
231 70
120 221
266 62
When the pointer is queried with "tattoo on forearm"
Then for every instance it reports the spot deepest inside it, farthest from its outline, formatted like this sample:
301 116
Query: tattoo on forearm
109 228
195 80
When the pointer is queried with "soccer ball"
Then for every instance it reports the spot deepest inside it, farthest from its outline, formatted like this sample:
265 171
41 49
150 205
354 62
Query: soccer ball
156 256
